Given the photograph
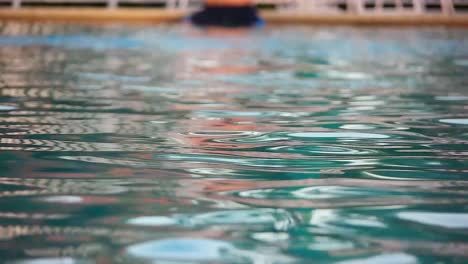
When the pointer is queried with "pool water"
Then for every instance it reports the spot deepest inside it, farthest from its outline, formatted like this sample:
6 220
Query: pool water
167 144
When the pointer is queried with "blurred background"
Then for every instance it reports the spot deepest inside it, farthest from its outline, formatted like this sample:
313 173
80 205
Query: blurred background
445 7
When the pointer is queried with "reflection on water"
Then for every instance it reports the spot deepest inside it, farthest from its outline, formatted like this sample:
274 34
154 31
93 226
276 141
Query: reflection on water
163 144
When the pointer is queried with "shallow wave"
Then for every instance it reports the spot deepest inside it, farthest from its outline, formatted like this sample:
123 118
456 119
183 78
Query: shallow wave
167 144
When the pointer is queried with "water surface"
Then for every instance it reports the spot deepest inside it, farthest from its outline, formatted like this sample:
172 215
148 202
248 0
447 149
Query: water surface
164 144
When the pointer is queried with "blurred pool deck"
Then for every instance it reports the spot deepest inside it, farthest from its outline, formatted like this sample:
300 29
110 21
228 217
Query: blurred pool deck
141 15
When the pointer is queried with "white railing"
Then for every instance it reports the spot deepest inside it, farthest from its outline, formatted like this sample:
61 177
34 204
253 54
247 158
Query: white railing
447 7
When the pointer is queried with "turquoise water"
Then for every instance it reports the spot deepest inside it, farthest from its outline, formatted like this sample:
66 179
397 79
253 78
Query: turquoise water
164 144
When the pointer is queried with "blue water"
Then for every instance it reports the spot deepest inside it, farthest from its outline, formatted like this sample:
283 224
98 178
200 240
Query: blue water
166 144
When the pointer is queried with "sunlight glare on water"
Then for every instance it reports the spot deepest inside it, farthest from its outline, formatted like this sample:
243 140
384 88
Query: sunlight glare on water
168 144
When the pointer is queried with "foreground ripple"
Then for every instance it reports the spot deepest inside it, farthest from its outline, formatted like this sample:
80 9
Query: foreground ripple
168 144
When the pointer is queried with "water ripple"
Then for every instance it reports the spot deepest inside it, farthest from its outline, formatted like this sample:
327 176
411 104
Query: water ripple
125 144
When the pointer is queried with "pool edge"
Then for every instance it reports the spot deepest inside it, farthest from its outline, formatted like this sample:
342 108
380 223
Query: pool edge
98 15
